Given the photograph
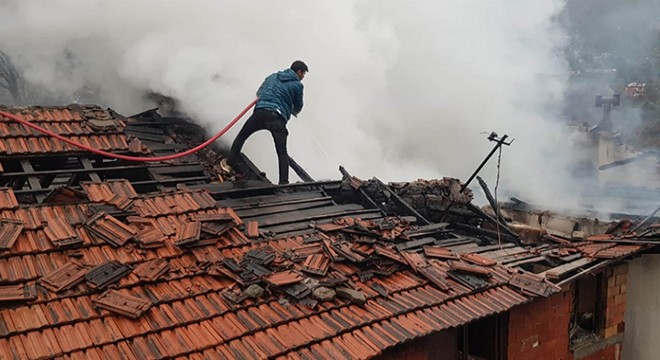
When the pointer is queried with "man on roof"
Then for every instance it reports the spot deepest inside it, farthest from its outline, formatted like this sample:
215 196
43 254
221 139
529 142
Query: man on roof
280 96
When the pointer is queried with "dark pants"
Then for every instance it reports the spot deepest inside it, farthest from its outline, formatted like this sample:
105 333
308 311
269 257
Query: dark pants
264 119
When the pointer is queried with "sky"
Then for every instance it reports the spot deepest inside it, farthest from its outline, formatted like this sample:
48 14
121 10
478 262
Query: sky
398 91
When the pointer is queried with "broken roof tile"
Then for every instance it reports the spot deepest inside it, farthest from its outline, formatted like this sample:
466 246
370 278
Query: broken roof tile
470 269
302 252
60 233
123 304
316 264
107 190
433 275
110 229
252 229
389 253
263 255
189 232
478 259
7 199
9 232
203 198
151 270
65 277
283 278
107 273
439 252
18 293
532 283
345 250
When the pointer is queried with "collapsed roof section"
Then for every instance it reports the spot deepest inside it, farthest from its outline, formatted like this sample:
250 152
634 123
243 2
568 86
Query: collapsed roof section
111 267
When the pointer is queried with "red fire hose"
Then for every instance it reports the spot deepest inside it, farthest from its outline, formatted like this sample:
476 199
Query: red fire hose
126 157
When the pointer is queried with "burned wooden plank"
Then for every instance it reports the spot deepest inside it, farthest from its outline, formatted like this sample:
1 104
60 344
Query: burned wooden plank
310 214
152 270
302 174
303 226
9 232
107 273
562 270
277 209
469 280
87 165
426 230
404 206
268 200
33 181
65 277
415 243
524 261
122 304
18 293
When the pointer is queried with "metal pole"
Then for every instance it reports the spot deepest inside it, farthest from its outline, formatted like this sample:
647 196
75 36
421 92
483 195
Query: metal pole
483 163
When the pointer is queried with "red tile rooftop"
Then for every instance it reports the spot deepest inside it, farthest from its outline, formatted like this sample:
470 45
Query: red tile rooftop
108 272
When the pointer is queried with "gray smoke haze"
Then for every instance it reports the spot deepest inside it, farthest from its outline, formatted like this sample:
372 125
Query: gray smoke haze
398 91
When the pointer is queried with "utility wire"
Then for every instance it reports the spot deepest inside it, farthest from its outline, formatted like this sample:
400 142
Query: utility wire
497 206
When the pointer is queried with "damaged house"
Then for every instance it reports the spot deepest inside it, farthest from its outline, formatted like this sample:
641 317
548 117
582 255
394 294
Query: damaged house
109 259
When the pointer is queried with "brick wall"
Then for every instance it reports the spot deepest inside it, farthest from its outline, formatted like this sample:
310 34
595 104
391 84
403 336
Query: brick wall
615 305
539 330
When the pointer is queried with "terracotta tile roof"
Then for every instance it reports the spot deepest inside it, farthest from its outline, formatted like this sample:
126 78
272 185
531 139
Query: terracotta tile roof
219 270
89 125
170 295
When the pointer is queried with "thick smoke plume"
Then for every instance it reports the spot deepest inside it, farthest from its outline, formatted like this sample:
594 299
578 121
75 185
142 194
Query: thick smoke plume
398 91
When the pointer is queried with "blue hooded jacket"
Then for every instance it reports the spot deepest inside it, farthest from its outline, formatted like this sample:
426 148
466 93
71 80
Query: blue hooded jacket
282 92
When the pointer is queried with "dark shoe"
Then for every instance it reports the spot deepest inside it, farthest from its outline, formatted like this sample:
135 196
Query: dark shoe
284 182
224 165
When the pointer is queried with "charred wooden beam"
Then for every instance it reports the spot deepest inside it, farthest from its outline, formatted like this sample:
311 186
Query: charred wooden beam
406 208
504 226
485 232
33 181
304 176
491 200
364 197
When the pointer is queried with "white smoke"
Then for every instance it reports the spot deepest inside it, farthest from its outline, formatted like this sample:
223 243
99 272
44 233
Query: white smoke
396 90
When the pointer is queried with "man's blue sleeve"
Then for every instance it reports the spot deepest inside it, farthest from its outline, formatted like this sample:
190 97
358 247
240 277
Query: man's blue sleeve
298 101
